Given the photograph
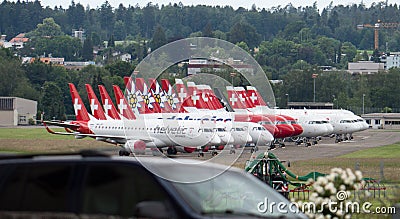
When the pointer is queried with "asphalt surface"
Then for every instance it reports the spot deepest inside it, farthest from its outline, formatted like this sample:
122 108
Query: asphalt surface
328 148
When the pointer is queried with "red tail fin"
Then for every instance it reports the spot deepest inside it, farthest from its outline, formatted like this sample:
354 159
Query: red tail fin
184 97
255 96
234 99
108 105
213 98
148 104
123 106
171 95
133 96
95 106
80 109
159 96
197 96
243 97
205 96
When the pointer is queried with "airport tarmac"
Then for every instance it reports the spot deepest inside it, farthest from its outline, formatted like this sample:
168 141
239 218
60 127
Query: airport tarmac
326 148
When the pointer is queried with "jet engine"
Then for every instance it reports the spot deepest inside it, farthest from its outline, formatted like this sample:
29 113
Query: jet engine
135 146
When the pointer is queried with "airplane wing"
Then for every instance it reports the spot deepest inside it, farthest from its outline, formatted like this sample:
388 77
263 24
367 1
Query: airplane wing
60 124
107 138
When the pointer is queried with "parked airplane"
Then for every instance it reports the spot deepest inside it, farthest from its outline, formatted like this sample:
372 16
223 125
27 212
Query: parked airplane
256 134
343 122
134 135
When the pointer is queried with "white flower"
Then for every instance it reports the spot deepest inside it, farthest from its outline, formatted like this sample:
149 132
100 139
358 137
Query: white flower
358 175
319 189
339 213
342 187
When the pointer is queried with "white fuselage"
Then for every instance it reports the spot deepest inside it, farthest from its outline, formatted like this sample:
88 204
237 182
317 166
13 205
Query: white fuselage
157 133
342 121
313 125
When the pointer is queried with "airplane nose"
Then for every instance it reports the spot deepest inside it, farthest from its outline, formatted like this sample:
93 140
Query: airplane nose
284 131
265 138
297 129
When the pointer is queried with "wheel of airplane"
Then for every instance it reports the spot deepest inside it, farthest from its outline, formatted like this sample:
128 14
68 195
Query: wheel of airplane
171 151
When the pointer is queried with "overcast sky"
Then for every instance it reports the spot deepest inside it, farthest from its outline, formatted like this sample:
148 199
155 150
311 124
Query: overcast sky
234 3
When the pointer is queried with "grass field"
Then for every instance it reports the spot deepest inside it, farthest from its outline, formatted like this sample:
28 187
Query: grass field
37 140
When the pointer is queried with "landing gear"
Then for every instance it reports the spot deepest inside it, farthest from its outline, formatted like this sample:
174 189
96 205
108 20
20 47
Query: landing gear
172 151
232 150
123 153
201 154
254 149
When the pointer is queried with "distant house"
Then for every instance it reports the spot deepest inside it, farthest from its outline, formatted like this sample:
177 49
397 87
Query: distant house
50 60
365 67
19 41
17 111
16 42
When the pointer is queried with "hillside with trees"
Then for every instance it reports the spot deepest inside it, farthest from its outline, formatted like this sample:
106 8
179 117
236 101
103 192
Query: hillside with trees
288 42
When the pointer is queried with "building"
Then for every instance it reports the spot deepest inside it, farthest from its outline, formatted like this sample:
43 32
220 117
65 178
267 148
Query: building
17 111
392 60
365 67
80 34
199 65
382 120
77 65
51 60
309 105
16 42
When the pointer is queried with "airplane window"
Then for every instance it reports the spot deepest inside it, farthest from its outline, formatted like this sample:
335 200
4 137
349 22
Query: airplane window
207 130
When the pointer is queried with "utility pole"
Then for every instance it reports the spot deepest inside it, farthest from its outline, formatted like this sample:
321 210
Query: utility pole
363 104
314 76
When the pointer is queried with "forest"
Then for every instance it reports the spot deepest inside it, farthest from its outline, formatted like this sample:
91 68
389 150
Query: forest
289 43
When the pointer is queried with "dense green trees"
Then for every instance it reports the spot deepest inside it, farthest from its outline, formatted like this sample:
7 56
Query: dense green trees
288 42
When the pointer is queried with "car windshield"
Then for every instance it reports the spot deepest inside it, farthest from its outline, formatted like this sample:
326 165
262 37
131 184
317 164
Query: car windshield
233 193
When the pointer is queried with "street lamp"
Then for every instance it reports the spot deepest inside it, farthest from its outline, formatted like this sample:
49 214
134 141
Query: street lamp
233 74
287 100
363 103
314 76
135 73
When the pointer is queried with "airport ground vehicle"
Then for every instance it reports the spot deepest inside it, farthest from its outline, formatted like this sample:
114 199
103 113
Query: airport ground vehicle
93 185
